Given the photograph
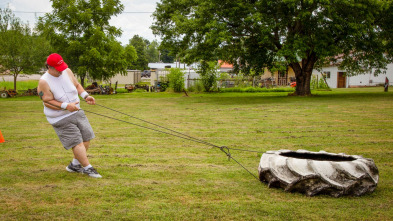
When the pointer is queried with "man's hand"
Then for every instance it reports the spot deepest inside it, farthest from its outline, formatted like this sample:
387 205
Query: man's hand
90 100
72 106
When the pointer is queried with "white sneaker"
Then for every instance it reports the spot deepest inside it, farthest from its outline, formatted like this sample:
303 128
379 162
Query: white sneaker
91 172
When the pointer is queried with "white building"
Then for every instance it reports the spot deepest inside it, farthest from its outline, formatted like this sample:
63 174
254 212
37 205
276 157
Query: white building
336 78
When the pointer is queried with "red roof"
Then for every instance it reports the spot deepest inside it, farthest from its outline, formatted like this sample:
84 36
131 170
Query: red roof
224 64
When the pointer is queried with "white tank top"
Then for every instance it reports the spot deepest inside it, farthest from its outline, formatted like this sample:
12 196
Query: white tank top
63 90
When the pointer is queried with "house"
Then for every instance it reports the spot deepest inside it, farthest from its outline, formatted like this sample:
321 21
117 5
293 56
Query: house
225 67
337 78
279 78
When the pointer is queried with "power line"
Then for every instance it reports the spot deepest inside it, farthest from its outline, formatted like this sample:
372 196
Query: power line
28 12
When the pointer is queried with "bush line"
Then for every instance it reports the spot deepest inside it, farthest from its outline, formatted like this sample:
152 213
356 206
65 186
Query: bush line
255 90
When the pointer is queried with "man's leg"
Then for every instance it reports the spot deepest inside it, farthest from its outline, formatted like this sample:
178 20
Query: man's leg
80 154
76 161
86 144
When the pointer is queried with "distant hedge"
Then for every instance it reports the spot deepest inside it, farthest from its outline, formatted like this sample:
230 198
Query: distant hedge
255 90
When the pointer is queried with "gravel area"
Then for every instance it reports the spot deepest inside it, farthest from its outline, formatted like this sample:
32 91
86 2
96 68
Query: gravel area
22 77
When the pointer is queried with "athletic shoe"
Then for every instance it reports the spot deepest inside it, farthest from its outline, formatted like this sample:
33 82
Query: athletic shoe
74 168
91 172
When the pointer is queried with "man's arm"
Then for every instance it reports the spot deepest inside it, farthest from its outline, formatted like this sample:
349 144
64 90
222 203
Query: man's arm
89 99
47 96
49 100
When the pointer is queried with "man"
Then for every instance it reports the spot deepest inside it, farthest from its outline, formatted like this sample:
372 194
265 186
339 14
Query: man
59 89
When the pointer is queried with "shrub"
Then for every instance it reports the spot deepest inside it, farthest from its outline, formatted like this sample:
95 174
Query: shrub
121 90
255 90
138 90
196 87
209 74
163 86
318 84
176 79
143 83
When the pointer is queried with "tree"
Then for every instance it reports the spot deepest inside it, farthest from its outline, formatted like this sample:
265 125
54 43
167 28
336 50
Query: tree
152 52
80 32
176 79
21 51
274 34
140 46
209 74
166 57
131 54
386 24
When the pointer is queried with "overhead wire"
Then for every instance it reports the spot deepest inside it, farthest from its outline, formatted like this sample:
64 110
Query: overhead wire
32 12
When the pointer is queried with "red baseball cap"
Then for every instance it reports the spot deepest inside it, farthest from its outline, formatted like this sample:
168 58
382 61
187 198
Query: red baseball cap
56 61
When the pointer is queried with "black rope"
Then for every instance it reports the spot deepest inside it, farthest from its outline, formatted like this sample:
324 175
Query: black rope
230 157
196 139
184 136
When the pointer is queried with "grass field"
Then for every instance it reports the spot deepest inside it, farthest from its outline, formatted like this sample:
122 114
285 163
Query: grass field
153 176
21 85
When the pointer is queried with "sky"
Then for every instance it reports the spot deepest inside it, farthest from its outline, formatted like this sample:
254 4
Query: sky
130 23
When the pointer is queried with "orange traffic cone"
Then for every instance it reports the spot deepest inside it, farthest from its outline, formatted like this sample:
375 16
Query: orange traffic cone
1 138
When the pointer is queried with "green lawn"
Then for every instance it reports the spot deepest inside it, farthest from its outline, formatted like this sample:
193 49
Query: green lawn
148 175
20 86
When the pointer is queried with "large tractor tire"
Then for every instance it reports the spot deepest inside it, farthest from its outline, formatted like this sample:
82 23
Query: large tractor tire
315 173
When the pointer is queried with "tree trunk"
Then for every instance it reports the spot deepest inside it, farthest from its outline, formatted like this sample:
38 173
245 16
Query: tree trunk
15 77
303 72
82 80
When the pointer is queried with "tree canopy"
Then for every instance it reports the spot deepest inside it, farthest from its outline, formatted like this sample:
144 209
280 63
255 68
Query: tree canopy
166 57
386 25
80 32
140 44
152 52
21 50
258 34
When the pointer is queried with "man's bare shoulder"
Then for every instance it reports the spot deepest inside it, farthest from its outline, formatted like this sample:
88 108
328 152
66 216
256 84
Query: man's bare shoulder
43 89
72 77
69 72
42 84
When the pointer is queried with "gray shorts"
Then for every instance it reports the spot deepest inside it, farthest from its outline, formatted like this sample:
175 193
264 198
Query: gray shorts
74 130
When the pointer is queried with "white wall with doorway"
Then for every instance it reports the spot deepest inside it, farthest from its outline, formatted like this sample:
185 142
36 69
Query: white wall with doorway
361 80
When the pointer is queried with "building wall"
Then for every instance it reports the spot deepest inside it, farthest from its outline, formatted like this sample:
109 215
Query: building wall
267 73
132 77
361 80
370 80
